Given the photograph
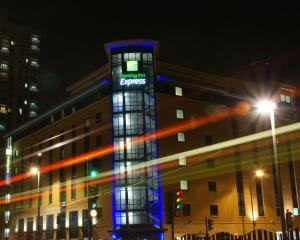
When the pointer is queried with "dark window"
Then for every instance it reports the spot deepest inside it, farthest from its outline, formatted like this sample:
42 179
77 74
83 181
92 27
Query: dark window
260 202
292 173
98 117
50 182
210 163
73 182
61 149
74 143
50 222
29 224
212 186
213 210
21 225
186 209
62 221
235 128
98 141
208 140
73 219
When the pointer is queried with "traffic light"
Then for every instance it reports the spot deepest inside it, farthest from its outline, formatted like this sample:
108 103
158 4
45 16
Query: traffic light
210 224
289 219
94 210
178 203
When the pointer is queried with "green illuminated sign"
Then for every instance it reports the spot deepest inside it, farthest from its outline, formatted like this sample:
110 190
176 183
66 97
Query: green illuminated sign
133 79
132 66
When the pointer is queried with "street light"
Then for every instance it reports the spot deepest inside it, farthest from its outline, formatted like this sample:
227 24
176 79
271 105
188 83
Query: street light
36 171
258 174
267 106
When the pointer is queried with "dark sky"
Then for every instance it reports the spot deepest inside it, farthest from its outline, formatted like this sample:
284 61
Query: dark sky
217 38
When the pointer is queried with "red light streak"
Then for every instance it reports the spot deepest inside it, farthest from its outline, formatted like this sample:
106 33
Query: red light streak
186 125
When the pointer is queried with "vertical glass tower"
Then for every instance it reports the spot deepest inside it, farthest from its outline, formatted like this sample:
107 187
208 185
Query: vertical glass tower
137 207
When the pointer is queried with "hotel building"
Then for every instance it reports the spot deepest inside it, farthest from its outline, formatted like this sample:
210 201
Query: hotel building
135 132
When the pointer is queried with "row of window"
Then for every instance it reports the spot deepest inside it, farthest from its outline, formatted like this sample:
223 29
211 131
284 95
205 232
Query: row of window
75 220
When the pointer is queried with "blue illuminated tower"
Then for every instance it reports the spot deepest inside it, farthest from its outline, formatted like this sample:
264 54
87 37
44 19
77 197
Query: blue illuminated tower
137 203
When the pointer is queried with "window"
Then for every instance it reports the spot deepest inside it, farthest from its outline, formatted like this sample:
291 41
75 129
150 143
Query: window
98 117
2 126
73 220
34 63
87 123
179 114
210 163
21 225
285 98
29 224
33 105
35 48
32 114
50 222
35 39
213 209
98 141
182 160
181 137
186 209
212 186
3 109
178 91
208 140
4 49
33 88
4 66
184 185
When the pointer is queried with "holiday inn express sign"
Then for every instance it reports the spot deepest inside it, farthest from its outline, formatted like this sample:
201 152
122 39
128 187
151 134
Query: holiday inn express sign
132 77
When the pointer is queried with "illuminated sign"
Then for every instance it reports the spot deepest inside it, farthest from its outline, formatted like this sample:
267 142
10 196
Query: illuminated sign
132 66
128 79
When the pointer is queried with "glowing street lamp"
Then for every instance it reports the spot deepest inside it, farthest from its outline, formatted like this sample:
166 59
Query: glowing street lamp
267 106
36 171
259 174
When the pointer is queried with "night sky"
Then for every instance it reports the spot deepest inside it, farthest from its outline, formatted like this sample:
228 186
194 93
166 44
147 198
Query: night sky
229 40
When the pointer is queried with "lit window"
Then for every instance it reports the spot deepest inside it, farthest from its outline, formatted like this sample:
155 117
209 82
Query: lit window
33 105
2 127
35 48
181 137
33 88
12 43
35 39
285 98
182 160
26 85
184 185
4 66
26 60
179 113
25 102
178 91
20 111
87 122
4 49
3 109
32 114
34 63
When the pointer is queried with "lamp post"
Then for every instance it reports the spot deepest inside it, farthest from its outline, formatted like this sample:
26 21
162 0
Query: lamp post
267 106
36 171
258 174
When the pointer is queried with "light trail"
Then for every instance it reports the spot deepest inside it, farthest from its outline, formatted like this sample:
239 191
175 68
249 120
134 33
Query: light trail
164 132
166 162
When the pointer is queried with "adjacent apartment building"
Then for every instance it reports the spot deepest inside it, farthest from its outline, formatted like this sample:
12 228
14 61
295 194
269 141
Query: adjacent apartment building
19 78
143 149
